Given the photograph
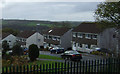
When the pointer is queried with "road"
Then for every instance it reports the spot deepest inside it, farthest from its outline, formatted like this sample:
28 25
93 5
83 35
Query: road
85 56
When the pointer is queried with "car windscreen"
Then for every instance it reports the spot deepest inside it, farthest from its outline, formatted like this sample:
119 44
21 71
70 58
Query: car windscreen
74 52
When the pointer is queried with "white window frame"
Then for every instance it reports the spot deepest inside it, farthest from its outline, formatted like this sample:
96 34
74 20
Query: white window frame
94 37
86 46
58 39
74 34
80 35
54 38
45 37
87 36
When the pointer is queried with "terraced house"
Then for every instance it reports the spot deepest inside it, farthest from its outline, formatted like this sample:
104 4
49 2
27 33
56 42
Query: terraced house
85 37
58 37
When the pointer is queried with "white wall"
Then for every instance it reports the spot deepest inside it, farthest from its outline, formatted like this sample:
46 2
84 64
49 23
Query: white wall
34 40
11 39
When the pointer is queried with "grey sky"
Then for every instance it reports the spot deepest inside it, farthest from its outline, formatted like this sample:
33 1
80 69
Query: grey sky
55 11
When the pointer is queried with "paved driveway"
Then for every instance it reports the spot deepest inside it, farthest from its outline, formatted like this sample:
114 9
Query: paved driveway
84 55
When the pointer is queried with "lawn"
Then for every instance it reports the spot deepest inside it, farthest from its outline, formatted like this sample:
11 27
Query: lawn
41 56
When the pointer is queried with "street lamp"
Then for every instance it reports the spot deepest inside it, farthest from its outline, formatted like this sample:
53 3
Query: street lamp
37 34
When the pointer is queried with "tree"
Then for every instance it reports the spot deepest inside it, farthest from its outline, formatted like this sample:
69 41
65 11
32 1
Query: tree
11 31
17 50
107 15
33 52
5 47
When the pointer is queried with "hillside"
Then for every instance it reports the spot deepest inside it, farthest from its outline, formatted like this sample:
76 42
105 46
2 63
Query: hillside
31 24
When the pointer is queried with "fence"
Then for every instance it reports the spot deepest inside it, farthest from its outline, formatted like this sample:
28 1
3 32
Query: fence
81 67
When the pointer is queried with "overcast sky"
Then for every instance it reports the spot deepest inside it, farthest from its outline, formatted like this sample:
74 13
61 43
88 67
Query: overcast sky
54 11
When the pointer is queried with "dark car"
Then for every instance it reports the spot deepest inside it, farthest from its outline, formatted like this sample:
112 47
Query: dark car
71 55
59 50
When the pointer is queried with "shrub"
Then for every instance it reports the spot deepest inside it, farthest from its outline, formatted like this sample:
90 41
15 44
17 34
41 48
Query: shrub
5 47
17 50
33 52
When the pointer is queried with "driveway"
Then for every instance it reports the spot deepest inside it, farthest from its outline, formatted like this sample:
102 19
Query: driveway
85 56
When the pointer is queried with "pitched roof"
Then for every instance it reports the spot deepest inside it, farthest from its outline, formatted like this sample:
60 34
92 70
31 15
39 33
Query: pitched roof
52 42
25 34
57 31
4 35
87 28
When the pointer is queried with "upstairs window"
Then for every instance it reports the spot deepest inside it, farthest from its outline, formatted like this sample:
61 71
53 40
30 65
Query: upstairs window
38 40
54 38
80 35
45 37
88 36
24 40
94 36
80 45
50 37
74 34
58 39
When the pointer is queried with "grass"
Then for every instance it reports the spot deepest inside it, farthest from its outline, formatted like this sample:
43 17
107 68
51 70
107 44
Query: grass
32 65
41 56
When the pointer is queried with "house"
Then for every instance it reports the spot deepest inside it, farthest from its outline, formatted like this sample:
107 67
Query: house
108 39
26 38
36 38
58 37
11 39
87 36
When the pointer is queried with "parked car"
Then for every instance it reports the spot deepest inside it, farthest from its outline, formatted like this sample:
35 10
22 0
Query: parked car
71 55
57 50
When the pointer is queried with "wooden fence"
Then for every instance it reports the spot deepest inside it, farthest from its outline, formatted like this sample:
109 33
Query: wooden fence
67 67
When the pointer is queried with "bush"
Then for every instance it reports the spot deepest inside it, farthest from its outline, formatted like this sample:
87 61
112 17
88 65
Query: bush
14 61
33 52
17 50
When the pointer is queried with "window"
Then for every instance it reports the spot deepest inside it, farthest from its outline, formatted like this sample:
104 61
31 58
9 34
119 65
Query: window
80 35
45 37
80 45
38 40
94 36
9 41
20 40
23 40
88 36
58 39
74 34
114 36
74 44
86 46
50 37
54 38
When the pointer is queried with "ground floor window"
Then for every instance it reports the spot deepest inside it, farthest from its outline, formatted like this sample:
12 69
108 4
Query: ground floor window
87 46
80 45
